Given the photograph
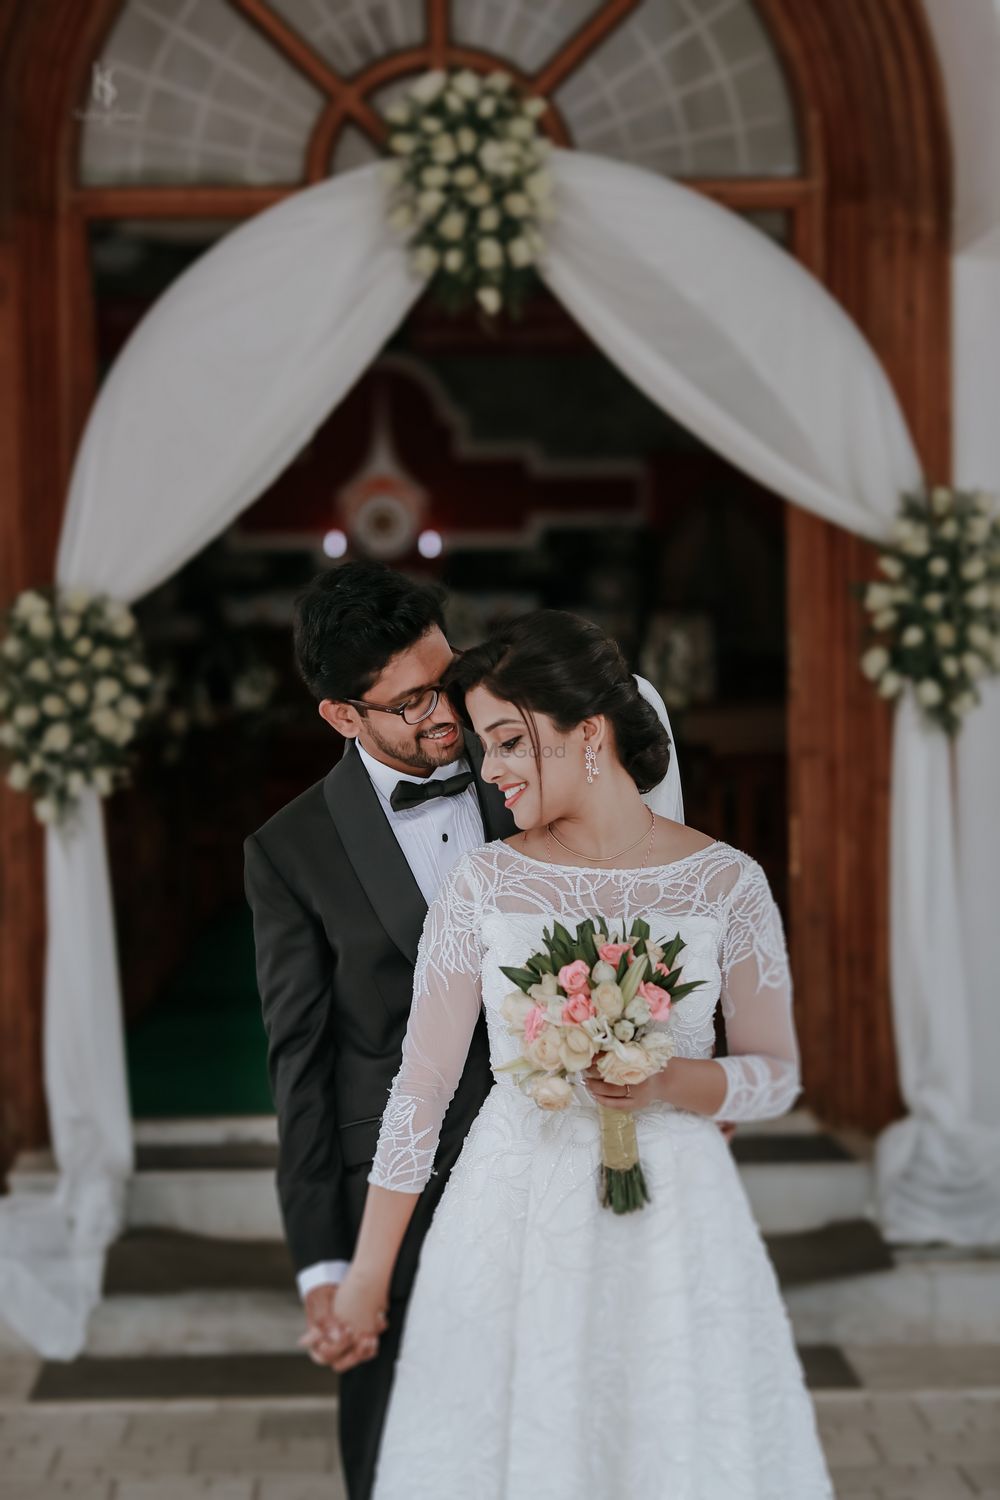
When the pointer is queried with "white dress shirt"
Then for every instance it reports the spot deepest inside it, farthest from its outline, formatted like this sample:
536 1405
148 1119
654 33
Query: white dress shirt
431 836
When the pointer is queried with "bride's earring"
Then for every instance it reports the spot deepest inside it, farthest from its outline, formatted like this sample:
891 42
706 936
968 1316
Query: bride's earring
590 760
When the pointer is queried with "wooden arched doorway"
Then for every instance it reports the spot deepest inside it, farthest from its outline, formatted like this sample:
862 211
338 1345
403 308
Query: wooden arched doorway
869 210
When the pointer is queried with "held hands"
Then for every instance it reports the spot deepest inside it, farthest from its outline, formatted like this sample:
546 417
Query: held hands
332 1337
653 1091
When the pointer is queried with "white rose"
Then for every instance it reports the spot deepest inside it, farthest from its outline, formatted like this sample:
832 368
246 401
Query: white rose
106 690
454 102
398 112
452 226
624 1030
426 88
603 972
12 647
443 148
30 603
131 707
874 662
551 1093
973 664
489 253
929 692
466 177
402 143
917 543
499 80
891 566
608 1000
933 603
425 260
517 205
949 529
431 125
938 567
77 600
57 738
889 684
945 633
521 128
544 1052
434 177
8 735
103 780
70 626
102 658
576 1050
980 637
489 219
638 1010
940 500
520 253
627 1064
514 1009
106 723
950 666
979 597
137 674
75 783
401 217
912 635
489 299
492 157
478 196
454 260
41 627
84 646
45 810
67 667
486 108
25 716
467 84
534 108
467 140
878 595
546 988
538 186
884 619
18 777
39 670
658 1045
54 706
429 202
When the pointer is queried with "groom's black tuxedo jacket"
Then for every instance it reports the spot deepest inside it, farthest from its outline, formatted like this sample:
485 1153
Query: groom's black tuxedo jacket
337 915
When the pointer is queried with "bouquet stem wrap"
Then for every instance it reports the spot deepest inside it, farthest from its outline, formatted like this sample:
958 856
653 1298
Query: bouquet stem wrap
621 1184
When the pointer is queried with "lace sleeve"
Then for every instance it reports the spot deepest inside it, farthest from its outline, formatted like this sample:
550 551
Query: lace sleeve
447 995
762 1069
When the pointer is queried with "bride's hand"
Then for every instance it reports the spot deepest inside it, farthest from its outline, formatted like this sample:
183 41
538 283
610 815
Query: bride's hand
361 1306
623 1096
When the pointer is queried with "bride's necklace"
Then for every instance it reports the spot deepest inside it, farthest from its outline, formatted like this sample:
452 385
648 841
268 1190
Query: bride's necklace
602 859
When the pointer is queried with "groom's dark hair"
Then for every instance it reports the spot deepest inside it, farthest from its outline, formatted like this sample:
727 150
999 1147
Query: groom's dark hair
559 664
351 619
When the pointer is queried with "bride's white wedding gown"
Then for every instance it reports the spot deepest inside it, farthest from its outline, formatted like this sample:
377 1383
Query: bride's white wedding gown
553 1348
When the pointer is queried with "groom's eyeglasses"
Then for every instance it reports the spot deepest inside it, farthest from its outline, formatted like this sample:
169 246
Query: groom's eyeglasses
415 709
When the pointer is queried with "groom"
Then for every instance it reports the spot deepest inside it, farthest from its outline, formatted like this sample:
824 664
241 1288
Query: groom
339 881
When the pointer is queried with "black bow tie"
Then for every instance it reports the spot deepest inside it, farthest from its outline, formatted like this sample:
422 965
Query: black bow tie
411 793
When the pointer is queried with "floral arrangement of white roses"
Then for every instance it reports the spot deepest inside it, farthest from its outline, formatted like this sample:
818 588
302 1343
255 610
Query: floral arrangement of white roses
74 686
596 998
469 185
935 620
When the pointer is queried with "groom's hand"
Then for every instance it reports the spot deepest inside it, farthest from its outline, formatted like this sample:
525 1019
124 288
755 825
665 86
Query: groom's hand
326 1338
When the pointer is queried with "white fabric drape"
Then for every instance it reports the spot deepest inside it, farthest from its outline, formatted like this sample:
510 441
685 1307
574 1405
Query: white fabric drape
226 378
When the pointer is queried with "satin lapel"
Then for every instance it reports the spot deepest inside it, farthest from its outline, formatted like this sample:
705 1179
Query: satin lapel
378 861
498 820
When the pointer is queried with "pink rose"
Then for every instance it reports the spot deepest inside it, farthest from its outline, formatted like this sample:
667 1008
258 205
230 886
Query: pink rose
578 1008
662 968
657 999
533 1023
612 952
574 977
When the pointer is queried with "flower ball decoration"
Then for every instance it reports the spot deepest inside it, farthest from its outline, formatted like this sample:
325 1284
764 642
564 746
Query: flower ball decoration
469 185
935 620
73 689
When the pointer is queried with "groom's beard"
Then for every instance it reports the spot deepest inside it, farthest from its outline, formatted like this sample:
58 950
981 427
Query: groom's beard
421 754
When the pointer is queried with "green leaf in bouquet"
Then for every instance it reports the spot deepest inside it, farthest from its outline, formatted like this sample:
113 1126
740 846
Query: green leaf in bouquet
634 978
680 990
539 964
585 940
671 949
640 929
523 978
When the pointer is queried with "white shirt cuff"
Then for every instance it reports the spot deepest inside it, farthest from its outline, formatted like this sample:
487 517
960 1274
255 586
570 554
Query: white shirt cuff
323 1273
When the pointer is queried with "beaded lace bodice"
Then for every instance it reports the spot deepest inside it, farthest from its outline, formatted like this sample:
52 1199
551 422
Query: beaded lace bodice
491 909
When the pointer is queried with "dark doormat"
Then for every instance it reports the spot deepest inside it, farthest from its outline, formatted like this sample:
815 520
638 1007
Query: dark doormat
852 1247
179 1376
274 1376
787 1149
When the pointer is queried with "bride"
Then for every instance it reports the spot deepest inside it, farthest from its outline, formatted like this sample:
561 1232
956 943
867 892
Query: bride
551 1346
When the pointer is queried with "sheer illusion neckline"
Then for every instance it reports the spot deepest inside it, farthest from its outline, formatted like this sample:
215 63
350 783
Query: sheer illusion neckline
551 864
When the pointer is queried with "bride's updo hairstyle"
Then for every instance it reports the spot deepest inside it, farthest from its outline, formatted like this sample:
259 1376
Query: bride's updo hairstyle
561 665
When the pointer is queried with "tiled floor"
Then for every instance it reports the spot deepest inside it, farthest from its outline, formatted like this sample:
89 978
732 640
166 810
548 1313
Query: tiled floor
925 1427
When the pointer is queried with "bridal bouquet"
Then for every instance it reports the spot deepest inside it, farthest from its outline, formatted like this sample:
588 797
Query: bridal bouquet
598 997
